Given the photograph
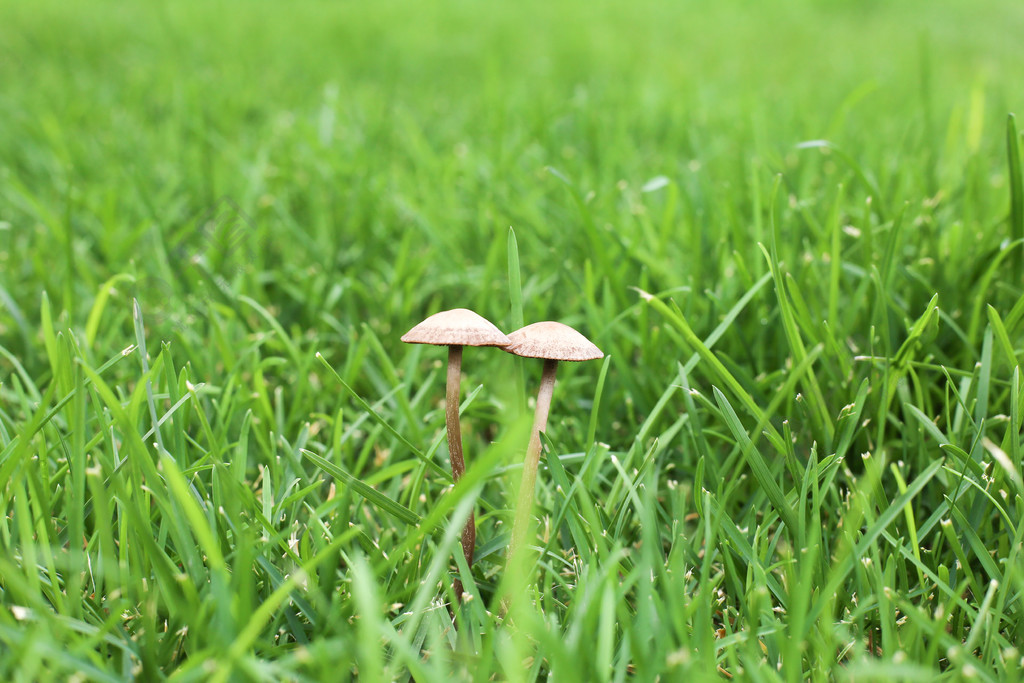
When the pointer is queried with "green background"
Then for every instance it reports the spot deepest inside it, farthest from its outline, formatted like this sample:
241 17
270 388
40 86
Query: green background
820 192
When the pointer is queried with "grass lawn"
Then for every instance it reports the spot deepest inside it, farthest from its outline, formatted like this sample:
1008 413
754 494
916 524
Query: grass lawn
794 228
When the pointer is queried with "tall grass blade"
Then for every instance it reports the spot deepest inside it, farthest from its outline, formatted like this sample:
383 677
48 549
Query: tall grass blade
1013 160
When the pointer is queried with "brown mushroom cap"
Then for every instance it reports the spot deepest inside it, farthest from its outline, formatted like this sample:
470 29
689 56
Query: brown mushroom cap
553 341
457 327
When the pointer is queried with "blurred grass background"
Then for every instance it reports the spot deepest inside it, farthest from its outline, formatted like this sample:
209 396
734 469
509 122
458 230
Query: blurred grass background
358 138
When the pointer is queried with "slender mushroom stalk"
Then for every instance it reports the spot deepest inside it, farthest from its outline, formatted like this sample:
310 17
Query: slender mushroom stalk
451 413
457 328
532 462
553 342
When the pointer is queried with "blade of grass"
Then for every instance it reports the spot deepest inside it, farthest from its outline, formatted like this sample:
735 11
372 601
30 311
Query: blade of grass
1016 192
844 566
273 602
375 497
762 473
140 342
515 297
1002 336
789 325
598 392
379 419
715 367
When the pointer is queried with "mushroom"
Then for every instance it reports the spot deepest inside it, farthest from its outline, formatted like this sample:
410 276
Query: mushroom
457 328
553 342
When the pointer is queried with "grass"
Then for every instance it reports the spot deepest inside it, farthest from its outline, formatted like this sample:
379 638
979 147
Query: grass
794 229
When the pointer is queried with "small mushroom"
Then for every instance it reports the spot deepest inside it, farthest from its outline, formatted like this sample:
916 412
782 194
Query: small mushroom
553 342
457 328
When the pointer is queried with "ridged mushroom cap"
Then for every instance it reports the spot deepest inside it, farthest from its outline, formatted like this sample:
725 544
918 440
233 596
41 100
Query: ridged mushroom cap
457 327
552 341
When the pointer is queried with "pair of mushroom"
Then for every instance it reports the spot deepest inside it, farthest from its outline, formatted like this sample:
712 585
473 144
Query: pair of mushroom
550 341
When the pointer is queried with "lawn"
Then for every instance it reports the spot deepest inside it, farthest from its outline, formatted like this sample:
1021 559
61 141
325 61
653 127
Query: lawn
795 229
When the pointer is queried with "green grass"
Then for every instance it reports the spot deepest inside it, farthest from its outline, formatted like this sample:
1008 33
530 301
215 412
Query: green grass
794 229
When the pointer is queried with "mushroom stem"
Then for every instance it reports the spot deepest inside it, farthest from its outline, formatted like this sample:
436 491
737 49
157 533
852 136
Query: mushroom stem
524 506
451 409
